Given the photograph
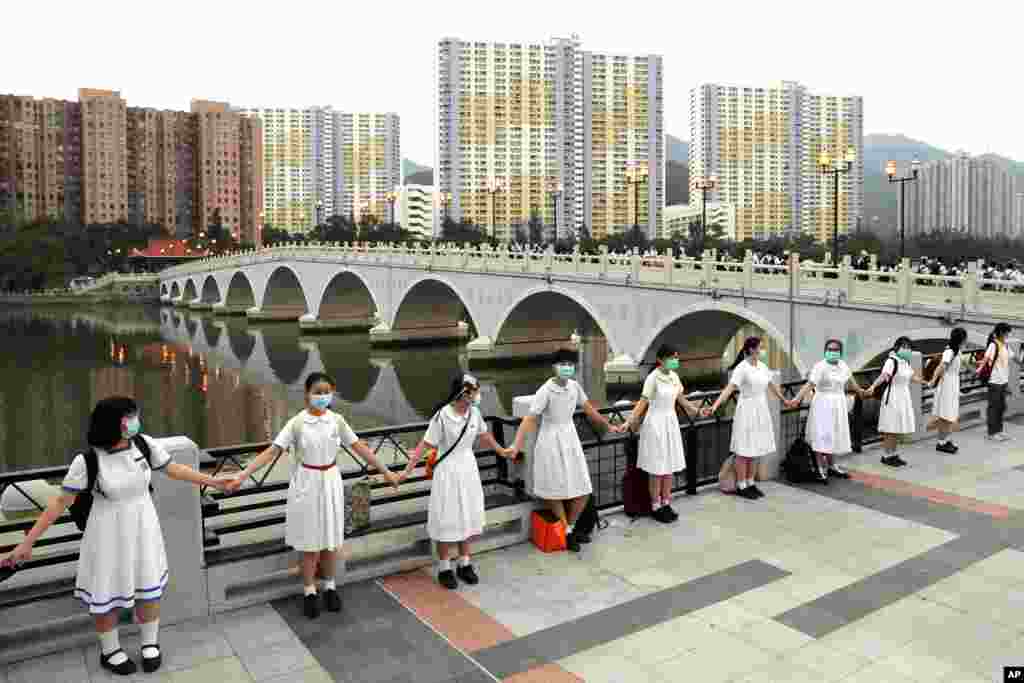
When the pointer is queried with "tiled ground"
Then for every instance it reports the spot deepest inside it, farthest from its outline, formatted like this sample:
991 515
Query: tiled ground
912 574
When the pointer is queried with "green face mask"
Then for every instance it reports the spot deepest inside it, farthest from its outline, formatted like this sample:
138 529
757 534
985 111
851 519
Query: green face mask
833 356
672 364
904 354
762 355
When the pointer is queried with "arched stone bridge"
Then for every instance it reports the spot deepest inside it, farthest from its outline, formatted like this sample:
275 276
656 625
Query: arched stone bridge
528 305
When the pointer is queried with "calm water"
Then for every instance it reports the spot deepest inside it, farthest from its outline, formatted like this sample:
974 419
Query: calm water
218 381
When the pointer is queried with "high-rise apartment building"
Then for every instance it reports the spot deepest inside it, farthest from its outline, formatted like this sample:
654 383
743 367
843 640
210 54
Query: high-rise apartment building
99 161
416 208
531 129
319 162
968 194
764 144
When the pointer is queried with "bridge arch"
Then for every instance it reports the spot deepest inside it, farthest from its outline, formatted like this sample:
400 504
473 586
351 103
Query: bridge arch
874 353
703 330
190 293
175 290
347 295
210 294
240 293
431 301
163 289
547 313
284 293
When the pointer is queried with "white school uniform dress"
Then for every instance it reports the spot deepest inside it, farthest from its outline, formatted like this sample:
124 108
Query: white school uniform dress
661 443
828 424
560 467
456 509
946 404
121 557
315 512
753 434
896 416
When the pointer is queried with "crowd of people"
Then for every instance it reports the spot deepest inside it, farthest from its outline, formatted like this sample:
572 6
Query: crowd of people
123 563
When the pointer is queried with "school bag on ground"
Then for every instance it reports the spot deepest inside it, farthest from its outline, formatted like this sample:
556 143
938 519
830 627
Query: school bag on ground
79 510
589 520
636 497
800 465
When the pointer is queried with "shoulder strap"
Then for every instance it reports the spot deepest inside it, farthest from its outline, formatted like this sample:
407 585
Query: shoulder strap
143 446
92 470
469 416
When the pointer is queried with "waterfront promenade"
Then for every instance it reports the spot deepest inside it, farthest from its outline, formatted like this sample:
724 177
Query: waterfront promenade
902 575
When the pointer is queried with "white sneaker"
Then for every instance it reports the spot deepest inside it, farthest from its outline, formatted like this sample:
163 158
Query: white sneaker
1001 436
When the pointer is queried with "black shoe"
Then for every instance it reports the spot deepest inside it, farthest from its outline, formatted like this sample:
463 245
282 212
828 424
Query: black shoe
572 543
672 512
834 472
125 668
332 600
662 515
955 447
823 478
747 492
947 447
447 579
900 462
468 574
890 460
151 664
584 538
758 493
311 605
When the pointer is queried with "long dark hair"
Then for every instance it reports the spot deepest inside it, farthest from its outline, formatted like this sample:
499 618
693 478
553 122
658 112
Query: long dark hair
837 342
956 339
664 352
460 384
105 421
315 378
749 344
999 330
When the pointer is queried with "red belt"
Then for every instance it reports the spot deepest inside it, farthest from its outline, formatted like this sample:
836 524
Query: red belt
319 467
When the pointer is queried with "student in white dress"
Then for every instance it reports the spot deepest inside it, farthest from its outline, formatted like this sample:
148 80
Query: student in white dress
997 354
753 435
315 511
828 423
896 416
121 559
455 514
661 453
946 400
560 474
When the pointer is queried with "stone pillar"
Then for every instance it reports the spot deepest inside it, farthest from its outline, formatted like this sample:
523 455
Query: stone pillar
906 283
970 288
383 335
748 270
622 369
845 281
222 308
363 323
794 273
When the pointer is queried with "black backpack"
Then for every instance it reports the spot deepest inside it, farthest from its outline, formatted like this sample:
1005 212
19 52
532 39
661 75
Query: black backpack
800 465
79 510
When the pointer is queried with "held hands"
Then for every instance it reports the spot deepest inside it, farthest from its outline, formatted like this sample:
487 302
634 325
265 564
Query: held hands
231 485
509 453
707 411
21 553
394 479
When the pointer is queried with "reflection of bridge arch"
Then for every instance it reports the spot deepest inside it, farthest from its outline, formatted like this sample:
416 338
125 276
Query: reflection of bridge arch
550 314
431 301
190 293
175 290
287 360
875 353
163 289
344 358
211 332
704 330
211 292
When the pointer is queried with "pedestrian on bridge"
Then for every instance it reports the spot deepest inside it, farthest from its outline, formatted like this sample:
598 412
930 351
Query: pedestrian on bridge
315 512
997 356
455 514
122 562
560 473
661 453
946 401
753 435
896 416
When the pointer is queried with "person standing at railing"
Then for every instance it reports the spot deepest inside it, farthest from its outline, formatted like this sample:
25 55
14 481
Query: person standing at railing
828 424
560 474
753 435
946 400
997 357
315 512
122 562
896 416
455 514
661 453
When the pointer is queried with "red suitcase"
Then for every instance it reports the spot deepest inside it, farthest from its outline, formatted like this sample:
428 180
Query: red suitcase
636 496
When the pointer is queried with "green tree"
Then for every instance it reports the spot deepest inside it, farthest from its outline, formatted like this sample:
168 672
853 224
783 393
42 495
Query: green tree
535 228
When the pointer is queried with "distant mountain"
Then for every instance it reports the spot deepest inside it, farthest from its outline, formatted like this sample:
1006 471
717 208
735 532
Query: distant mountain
880 148
410 168
676 149
424 177
677 183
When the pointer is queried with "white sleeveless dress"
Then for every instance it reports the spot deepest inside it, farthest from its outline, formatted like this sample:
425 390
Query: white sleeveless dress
946 402
456 509
896 416
661 443
559 465
828 422
753 432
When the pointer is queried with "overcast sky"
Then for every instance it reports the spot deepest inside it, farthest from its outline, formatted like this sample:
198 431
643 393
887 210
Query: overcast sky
951 79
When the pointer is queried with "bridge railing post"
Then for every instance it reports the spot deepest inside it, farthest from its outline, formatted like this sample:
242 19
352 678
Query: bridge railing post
576 260
969 290
906 283
634 264
794 274
748 270
668 263
708 263
845 281
604 260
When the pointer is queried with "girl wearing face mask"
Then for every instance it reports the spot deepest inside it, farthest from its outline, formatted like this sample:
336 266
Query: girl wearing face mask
455 513
946 403
121 559
661 453
560 472
896 416
753 435
315 512
828 425
997 354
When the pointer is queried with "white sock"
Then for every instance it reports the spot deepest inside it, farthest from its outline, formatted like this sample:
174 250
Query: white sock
148 636
444 565
750 481
309 589
464 561
109 642
328 585
570 527
741 484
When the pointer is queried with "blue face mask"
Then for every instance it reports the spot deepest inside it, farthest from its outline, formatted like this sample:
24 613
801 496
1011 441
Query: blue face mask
320 401
132 427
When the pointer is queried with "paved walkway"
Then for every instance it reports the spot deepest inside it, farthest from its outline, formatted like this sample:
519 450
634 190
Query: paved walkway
898 575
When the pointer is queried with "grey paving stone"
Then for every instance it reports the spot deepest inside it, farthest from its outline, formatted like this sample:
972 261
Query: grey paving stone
563 640
64 666
191 643
253 628
275 659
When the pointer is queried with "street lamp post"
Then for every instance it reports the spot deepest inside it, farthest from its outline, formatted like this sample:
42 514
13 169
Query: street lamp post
319 212
636 174
890 170
494 186
390 198
836 167
556 190
705 185
446 200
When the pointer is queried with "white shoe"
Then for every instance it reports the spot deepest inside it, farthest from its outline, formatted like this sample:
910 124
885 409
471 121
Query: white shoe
1001 436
